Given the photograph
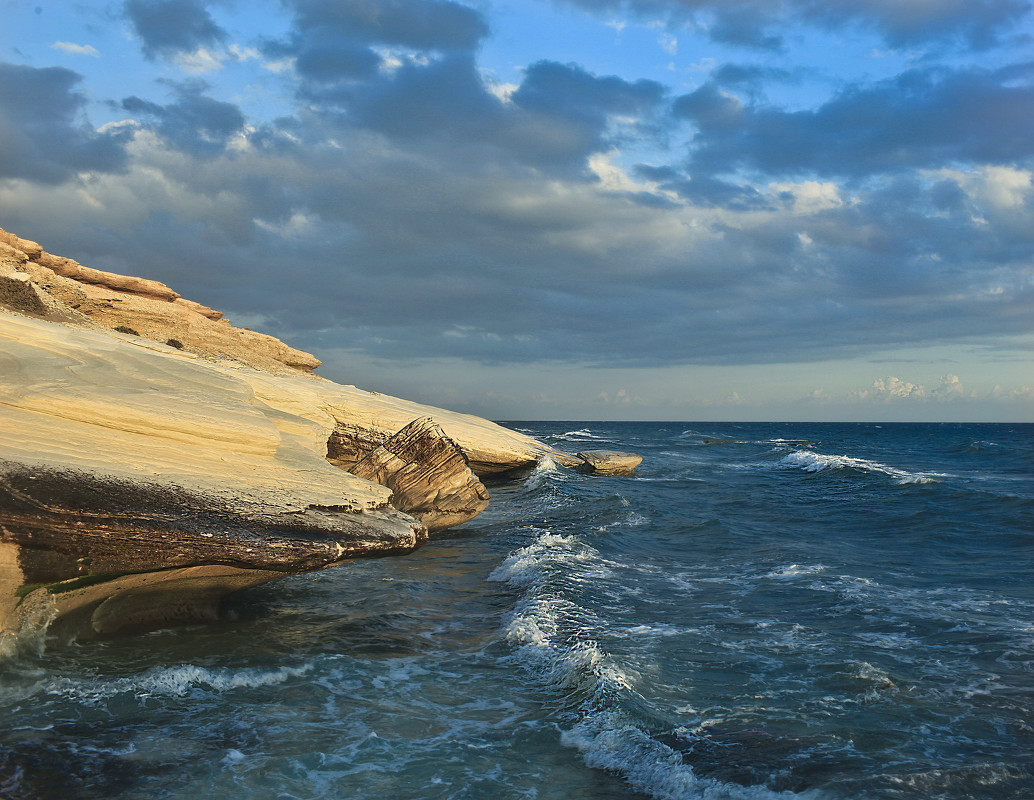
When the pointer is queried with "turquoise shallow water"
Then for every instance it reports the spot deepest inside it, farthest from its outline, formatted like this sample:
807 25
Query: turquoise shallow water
765 610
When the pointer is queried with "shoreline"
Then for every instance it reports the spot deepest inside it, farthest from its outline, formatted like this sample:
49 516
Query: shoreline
141 434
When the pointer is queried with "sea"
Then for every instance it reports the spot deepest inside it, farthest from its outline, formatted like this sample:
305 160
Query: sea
820 611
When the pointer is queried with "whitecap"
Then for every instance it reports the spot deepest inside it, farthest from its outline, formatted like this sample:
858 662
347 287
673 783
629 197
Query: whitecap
610 741
174 681
525 566
795 570
810 461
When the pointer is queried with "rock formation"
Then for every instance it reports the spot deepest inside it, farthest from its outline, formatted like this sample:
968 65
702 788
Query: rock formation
39 283
608 462
153 457
428 475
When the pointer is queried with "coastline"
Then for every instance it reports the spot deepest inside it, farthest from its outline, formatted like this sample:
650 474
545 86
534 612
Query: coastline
142 434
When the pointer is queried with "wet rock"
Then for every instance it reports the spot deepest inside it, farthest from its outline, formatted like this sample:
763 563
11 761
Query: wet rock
608 462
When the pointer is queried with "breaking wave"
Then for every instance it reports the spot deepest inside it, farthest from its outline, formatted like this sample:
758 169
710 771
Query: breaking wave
810 461
552 640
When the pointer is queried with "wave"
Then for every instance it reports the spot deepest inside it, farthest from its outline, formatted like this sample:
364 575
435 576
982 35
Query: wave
175 681
810 461
579 435
551 637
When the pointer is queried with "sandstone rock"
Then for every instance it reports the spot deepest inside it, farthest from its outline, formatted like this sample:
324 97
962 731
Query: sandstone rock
204 311
17 291
157 312
31 249
140 482
364 420
120 456
67 268
11 255
428 475
349 444
608 462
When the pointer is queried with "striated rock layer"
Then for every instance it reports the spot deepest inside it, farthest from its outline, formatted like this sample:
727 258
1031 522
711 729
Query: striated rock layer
608 462
428 475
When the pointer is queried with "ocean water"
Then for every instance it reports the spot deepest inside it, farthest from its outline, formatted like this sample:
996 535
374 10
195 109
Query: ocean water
764 611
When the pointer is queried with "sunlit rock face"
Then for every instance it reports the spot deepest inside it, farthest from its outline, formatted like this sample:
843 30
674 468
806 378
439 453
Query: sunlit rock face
428 475
62 289
608 462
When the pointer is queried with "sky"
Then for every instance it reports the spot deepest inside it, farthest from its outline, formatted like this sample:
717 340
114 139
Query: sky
721 210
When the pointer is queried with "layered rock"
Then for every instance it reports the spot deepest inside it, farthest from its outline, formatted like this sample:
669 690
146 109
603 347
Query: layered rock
608 462
103 554
428 475
62 289
122 456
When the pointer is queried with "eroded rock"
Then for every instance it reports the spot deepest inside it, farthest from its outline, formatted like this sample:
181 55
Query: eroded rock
68 290
124 550
428 475
608 462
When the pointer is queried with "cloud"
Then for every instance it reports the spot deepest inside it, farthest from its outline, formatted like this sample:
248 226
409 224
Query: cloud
168 28
426 212
417 24
919 119
892 388
194 122
42 136
758 23
73 49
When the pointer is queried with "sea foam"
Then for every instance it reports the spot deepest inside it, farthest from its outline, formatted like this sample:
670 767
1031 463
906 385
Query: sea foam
810 461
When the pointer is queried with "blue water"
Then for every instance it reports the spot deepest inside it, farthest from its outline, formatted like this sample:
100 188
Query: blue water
765 610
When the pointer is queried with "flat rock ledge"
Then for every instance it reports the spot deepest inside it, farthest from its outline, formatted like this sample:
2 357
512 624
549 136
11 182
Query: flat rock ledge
428 474
608 462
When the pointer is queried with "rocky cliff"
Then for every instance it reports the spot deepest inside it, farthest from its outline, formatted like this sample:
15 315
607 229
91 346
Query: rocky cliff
153 457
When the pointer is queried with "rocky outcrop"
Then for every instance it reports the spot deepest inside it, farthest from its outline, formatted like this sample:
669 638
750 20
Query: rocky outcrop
103 554
123 457
608 462
59 288
153 457
120 456
428 475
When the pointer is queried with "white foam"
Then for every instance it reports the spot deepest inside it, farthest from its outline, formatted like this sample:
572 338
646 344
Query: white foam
810 461
584 433
525 565
795 570
172 681
611 742
659 629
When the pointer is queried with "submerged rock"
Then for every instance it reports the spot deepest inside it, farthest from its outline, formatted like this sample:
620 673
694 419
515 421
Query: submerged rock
608 462
428 475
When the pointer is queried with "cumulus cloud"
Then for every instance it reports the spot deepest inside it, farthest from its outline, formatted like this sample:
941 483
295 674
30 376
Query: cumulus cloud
922 118
194 122
169 28
757 23
42 134
73 49
893 389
